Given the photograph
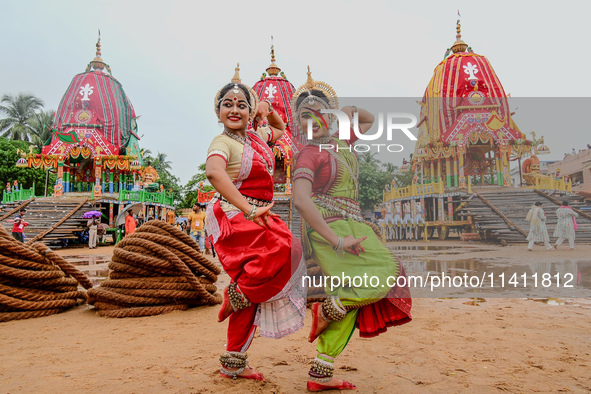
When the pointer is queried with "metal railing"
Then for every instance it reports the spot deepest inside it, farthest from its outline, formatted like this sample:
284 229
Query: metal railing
144 196
204 197
18 195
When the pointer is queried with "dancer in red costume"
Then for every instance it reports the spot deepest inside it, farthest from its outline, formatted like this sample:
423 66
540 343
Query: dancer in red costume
255 247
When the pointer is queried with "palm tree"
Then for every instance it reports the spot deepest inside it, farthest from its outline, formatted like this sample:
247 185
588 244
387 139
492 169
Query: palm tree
160 162
147 157
390 171
145 153
41 124
19 111
369 159
389 168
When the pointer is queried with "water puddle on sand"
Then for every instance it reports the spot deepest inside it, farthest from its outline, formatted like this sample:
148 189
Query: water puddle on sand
549 301
86 260
96 267
487 277
425 247
427 250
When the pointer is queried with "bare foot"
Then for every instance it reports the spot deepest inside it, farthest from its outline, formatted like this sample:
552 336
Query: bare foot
227 312
322 325
226 308
318 323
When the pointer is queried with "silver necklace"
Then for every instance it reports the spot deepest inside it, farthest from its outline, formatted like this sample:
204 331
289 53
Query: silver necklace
269 162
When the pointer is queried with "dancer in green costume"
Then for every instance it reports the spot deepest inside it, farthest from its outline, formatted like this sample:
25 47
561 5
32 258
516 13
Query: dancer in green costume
335 236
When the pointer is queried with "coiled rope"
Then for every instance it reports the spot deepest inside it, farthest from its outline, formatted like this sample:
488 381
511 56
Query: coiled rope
155 270
35 281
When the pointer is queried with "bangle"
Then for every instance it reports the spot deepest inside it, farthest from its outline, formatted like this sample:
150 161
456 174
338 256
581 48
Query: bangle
271 109
252 213
340 247
354 108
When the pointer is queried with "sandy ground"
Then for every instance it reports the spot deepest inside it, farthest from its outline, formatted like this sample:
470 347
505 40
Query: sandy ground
452 345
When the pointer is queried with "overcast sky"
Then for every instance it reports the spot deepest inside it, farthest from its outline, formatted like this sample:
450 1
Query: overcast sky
171 57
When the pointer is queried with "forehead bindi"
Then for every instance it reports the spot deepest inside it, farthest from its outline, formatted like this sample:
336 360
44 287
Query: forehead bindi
235 99
235 96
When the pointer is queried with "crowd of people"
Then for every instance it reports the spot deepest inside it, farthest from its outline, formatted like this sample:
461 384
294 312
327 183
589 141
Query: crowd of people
96 229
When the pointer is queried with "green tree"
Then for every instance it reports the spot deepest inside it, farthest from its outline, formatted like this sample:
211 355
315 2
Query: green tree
403 179
18 113
171 182
26 177
147 159
161 163
369 158
371 180
191 189
390 172
41 127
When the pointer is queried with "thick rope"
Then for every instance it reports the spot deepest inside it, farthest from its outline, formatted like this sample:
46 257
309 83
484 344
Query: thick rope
35 282
157 269
7 316
141 311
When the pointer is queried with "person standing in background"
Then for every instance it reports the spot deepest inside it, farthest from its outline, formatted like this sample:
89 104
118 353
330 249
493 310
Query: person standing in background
537 230
566 225
92 225
18 228
130 223
197 225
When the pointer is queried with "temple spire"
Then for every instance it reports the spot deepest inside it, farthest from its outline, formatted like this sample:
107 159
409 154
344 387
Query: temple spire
98 44
459 45
97 63
273 70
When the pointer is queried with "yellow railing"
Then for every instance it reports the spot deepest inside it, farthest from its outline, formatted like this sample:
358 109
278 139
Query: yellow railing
543 182
547 182
414 190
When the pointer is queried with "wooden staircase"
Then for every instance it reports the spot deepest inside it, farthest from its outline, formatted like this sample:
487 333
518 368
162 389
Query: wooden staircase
291 219
51 220
500 213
